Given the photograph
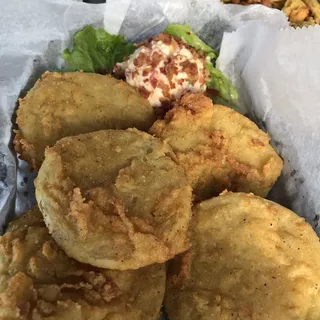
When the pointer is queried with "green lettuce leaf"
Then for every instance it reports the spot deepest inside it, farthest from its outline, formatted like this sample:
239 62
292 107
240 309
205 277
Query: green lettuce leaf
219 82
189 37
95 50
225 92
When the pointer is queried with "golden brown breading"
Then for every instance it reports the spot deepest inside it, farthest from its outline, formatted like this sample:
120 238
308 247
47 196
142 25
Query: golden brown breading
67 104
296 10
115 199
39 281
218 148
251 259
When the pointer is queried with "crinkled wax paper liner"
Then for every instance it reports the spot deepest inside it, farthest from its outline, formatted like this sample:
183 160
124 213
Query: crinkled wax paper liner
279 76
34 35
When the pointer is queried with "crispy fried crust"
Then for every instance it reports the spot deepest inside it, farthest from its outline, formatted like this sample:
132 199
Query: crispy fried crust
218 148
67 104
38 281
251 259
115 199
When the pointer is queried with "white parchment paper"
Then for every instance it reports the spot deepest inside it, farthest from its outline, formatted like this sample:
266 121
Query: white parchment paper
34 33
279 77
276 72
276 69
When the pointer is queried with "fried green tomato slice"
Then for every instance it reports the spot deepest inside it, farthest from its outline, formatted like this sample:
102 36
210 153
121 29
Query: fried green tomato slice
115 199
67 104
219 148
38 281
250 259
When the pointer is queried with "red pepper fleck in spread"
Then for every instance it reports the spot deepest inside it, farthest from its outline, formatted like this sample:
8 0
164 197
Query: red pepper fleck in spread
164 68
